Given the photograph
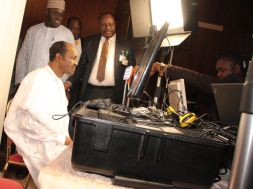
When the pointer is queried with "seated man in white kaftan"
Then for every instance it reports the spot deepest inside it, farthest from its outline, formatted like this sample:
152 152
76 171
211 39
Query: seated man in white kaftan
40 138
39 38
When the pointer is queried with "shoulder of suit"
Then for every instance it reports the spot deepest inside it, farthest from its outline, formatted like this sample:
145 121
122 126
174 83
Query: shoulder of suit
122 41
93 37
91 40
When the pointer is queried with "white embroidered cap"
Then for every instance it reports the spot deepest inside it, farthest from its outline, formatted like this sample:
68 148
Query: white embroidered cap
56 4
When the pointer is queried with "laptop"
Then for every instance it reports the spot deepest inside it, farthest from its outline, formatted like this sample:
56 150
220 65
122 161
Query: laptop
227 97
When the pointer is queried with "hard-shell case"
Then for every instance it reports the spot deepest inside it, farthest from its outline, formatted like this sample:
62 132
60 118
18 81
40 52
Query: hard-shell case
143 156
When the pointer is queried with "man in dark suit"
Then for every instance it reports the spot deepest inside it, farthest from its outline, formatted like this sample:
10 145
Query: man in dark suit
102 64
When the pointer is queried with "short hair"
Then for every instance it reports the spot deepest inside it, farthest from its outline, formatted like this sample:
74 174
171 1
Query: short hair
73 18
232 56
57 47
103 14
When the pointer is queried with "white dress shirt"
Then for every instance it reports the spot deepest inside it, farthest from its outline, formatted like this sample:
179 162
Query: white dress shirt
109 69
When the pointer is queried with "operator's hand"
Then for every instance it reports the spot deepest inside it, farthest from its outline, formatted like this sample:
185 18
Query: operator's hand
159 68
155 68
67 86
68 141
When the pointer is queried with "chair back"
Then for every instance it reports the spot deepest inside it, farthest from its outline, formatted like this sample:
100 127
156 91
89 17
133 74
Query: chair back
13 158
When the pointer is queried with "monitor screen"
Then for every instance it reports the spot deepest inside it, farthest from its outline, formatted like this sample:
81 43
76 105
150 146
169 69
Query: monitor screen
142 74
228 105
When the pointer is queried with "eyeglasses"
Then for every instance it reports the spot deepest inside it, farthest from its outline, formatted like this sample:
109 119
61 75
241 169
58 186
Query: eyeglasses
109 25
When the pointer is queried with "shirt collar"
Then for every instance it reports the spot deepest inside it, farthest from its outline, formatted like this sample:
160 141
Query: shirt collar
50 27
112 39
52 72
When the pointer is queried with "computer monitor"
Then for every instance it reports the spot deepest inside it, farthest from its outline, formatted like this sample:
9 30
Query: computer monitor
227 97
142 74
177 95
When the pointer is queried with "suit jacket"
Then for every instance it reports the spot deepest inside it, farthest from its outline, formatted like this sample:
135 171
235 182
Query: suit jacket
82 41
86 62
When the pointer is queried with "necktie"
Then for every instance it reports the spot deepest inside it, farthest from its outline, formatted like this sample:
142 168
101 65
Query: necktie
102 61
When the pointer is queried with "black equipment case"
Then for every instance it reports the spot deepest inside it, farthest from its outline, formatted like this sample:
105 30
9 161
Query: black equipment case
142 156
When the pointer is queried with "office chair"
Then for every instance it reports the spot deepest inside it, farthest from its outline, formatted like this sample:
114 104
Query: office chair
9 184
13 158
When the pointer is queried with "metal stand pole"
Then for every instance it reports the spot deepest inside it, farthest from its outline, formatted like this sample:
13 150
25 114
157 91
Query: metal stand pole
242 169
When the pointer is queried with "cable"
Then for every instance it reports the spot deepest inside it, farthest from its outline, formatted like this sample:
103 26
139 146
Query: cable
180 98
171 56
217 132
60 116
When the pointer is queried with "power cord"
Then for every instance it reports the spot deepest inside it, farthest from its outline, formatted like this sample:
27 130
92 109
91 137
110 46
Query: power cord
60 116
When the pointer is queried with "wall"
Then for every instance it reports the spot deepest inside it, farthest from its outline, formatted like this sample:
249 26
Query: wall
9 39
200 51
87 10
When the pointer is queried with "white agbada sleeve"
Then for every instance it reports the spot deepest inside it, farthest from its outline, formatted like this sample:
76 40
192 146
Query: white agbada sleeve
45 99
41 104
29 123
21 63
70 37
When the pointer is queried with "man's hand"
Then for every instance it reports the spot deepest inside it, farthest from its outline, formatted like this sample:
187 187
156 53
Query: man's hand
68 141
159 68
155 68
67 85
